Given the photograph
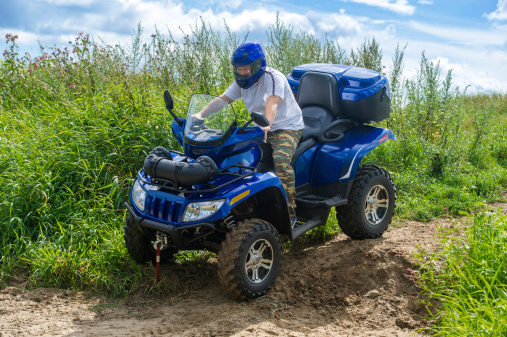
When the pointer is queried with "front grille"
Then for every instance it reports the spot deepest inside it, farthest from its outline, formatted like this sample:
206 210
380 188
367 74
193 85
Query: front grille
162 209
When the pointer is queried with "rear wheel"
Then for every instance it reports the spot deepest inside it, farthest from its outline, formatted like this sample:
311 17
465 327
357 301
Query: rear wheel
249 259
371 204
138 241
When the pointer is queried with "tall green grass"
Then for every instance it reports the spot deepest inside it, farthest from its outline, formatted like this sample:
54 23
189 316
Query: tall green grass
468 277
76 124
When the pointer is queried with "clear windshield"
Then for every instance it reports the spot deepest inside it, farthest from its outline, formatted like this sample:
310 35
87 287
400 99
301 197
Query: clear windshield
209 119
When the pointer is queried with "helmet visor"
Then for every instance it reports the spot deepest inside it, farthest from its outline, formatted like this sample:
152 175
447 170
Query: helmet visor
244 72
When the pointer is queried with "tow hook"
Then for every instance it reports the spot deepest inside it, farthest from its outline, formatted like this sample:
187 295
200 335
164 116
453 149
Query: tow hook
159 244
161 241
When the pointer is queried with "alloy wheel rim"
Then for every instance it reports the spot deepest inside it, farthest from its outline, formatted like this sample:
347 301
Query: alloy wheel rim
376 204
259 261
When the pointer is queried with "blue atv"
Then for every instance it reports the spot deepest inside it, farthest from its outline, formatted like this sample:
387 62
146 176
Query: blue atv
221 194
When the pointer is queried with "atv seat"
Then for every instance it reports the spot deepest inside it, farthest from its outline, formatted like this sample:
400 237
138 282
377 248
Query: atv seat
320 105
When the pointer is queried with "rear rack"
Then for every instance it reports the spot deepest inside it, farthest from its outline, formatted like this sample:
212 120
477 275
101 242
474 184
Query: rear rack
172 186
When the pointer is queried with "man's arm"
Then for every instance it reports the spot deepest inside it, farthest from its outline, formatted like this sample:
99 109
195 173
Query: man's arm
270 112
215 105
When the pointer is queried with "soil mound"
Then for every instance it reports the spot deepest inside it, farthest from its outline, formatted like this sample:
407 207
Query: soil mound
336 288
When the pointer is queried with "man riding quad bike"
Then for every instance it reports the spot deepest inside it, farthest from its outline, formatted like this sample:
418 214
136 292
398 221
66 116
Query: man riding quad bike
221 194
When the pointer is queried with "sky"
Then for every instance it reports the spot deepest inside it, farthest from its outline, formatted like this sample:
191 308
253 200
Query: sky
467 36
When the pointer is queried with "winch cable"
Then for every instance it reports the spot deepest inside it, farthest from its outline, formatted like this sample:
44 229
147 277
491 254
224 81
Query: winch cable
157 261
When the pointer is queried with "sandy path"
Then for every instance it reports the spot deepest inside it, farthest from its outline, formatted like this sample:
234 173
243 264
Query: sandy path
337 288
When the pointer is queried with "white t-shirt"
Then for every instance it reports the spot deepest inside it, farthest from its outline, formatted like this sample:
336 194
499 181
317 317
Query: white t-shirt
272 82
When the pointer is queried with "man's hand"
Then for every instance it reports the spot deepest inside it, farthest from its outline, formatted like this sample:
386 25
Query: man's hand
266 130
197 116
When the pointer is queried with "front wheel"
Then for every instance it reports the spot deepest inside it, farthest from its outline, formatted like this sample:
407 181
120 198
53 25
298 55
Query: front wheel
249 259
371 204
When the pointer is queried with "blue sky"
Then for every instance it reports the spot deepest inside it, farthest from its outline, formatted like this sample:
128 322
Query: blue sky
468 36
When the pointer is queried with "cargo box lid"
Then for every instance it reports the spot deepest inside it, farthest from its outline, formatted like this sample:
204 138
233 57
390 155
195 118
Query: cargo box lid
356 77
355 83
336 69
353 76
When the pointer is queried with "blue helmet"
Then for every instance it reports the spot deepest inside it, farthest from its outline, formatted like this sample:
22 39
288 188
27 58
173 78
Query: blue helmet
248 54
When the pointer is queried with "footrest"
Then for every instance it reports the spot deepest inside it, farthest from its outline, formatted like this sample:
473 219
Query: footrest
303 228
312 201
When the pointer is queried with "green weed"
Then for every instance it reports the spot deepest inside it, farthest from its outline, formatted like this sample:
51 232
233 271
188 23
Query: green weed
468 278
77 122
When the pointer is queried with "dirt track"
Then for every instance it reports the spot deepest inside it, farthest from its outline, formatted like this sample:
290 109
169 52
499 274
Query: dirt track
337 288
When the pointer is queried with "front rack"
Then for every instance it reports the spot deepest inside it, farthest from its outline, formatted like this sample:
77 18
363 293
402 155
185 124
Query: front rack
172 186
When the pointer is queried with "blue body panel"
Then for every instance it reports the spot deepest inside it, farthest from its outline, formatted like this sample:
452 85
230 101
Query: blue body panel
295 76
178 131
169 208
324 164
239 149
358 84
303 167
340 161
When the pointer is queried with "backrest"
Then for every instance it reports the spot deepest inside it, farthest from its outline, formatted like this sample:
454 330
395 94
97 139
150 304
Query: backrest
319 89
319 103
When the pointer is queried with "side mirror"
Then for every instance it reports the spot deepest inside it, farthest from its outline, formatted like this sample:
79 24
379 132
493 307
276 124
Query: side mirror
169 105
168 100
259 119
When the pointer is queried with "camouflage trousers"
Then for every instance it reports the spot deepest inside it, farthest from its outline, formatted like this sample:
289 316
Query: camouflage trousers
284 143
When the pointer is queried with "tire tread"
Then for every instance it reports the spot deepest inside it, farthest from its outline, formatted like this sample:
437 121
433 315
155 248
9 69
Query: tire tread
229 264
347 215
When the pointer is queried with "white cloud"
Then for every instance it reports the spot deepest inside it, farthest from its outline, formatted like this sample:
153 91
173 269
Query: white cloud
425 2
476 80
397 6
446 65
500 13
459 35
24 37
478 69
338 23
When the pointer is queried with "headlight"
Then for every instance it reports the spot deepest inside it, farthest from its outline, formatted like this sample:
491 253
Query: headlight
200 210
138 195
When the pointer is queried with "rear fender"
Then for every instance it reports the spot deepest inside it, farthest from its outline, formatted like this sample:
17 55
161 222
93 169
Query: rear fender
339 161
358 151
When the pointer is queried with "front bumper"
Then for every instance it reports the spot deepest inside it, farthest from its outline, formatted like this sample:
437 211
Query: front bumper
165 228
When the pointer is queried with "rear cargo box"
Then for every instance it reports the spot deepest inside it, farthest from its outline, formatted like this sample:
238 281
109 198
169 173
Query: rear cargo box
364 94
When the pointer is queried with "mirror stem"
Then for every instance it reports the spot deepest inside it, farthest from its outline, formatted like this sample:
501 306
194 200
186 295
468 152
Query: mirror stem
178 120
242 128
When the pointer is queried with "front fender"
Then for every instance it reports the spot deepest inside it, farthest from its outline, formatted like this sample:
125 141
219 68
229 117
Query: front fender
265 200
251 186
178 131
236 193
